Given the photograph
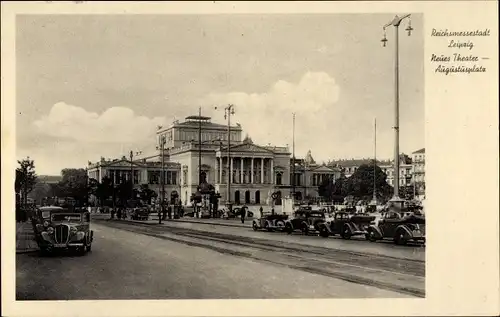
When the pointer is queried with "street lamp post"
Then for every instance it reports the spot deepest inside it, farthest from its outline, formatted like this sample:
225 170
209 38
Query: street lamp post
293 158
162 178
229 110
396 22
199 149
131 154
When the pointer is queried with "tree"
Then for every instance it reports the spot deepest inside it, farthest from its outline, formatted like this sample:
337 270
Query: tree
26 178
125 191
146 193
360 184
74 185
104 190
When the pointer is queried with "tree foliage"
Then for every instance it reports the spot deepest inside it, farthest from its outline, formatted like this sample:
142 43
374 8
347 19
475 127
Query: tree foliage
359 185
26 178
73 184
146 193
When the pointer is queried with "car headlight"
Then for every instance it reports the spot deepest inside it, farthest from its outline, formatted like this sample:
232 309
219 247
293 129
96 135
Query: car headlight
45 223
73 230
50 230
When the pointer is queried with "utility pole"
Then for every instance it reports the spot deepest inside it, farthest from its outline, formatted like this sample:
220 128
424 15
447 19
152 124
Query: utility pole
293 158
162 177
199 149
396 22
131 154
375 163
229 110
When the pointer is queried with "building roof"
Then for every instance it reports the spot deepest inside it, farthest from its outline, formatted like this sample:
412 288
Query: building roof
419 151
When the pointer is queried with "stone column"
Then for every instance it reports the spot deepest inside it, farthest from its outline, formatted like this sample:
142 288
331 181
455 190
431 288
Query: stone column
262 170
242 176
272 171
251 171
231 171
220 170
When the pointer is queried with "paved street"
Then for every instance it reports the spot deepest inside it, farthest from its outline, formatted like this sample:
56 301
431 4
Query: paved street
197 261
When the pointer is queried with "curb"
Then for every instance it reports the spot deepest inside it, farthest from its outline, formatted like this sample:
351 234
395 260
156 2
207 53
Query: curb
189 221
26 251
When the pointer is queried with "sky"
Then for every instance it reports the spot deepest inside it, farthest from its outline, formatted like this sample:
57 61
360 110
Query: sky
99 85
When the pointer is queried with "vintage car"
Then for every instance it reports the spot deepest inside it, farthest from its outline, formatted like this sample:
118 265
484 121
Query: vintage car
139 213
270 222
306 221
402 227
346 225
63 228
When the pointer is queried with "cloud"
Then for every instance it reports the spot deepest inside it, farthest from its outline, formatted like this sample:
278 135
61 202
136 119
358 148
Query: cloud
267 117
115 125
69 136
328 122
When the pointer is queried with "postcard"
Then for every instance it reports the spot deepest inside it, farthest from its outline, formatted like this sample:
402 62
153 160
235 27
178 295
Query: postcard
250 158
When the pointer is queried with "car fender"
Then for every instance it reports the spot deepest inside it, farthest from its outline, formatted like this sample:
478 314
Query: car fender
326 225
289 223
46 237
269 223
406 231
350 226
256 223
376 230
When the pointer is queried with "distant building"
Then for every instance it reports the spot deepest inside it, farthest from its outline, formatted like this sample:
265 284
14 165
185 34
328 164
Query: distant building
309 175
256 171
418 158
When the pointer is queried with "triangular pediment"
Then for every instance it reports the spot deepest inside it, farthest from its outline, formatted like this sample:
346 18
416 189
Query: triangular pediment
323 169
123 163
250 147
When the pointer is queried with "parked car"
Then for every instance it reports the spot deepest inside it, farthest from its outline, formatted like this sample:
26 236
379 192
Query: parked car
139 213
400 227
306 221
346 225
270 222
61 228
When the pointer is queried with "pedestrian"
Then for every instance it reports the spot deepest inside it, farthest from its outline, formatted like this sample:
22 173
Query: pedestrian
261 212
243 213
272 211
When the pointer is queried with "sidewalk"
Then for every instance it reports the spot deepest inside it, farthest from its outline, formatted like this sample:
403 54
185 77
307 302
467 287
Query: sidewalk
153 220
25 238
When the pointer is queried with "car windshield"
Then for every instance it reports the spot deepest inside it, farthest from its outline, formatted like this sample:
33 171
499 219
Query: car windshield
66 217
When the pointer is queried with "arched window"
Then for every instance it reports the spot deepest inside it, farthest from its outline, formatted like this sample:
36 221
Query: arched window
257 197
203 177
247 197
279 180
237 197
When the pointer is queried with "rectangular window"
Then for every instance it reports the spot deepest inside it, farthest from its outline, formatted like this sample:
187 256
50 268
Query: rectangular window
174 178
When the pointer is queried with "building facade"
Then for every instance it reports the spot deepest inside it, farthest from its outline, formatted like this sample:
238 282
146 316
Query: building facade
418 158
254 171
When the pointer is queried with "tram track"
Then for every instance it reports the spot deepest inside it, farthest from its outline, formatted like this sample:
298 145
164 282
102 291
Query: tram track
405 276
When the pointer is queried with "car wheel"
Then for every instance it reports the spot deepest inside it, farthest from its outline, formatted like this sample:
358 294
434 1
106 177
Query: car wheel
44 251
305 230
371 235
280 225
346 233
323 232
399 239
254 226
